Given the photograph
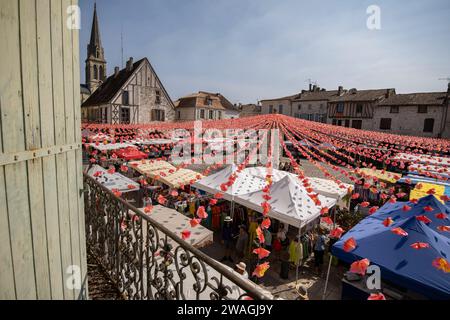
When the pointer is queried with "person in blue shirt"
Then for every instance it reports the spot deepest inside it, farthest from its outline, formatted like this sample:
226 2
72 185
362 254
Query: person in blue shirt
227 238
319 250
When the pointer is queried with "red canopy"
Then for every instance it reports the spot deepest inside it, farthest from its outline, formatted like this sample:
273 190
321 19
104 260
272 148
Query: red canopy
131 153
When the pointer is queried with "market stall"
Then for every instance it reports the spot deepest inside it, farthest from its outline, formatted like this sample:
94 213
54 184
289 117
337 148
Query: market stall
401 264
131 153
424 159
177 222
382 175
180 177
290 202
109 146
325 187
129 189
244 183
152 168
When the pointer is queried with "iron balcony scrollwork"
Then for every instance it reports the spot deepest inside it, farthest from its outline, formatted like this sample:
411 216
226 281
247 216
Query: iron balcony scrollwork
147 261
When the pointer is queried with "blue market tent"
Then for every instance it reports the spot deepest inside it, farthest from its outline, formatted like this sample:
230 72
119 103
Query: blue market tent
415 179
399 263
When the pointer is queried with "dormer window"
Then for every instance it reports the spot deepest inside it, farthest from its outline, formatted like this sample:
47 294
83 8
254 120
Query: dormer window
208 101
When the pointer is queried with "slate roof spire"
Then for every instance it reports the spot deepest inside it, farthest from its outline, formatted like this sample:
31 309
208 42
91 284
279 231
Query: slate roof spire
95 31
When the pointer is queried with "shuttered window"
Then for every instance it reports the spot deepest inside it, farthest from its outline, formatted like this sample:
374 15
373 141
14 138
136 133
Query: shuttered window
158 115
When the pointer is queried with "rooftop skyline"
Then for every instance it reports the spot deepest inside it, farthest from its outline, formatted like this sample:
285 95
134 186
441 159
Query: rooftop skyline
254 50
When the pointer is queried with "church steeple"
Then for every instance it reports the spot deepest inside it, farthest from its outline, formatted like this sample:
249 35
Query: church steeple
95 62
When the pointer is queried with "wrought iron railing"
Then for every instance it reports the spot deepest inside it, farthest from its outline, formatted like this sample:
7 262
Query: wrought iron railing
147 261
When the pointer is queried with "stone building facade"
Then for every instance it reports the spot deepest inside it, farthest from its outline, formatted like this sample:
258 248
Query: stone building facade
312 104
416 114
281 105
131 95
249 110
205 106
355 108
420 114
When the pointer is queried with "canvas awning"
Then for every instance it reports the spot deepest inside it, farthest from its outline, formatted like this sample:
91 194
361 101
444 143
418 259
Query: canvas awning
177 222
424 159
181 177
325 187
110 146
290 202
243 184
418 193
382 175
400 264
152 168
113 181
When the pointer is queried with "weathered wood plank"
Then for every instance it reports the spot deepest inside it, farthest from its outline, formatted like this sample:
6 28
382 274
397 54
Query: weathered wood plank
44 45
64 221
28 53
57 66
78 153
74 213
10 82
20 230
30 87
15 177
52 225
8 291
68 74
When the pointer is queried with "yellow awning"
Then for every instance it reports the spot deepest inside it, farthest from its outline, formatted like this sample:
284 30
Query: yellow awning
423 191
152 168
180 178
387 176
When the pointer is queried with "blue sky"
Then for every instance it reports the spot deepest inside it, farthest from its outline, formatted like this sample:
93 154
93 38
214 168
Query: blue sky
257 49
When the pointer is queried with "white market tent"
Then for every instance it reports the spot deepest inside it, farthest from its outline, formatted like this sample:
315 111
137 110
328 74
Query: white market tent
290 202
110 146
243 184
113 181
150 142
426 159
325 187
177 222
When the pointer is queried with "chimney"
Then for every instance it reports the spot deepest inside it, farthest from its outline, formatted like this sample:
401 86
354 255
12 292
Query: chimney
130 64
340 90
388 93
314 88
310 87
116 71
448 88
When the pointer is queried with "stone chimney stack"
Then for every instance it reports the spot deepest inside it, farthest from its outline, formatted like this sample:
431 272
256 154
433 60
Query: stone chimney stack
116 71
130 64
310 87
388 93
340 90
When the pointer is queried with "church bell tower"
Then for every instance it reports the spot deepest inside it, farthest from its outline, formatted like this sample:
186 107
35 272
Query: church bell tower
95 62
